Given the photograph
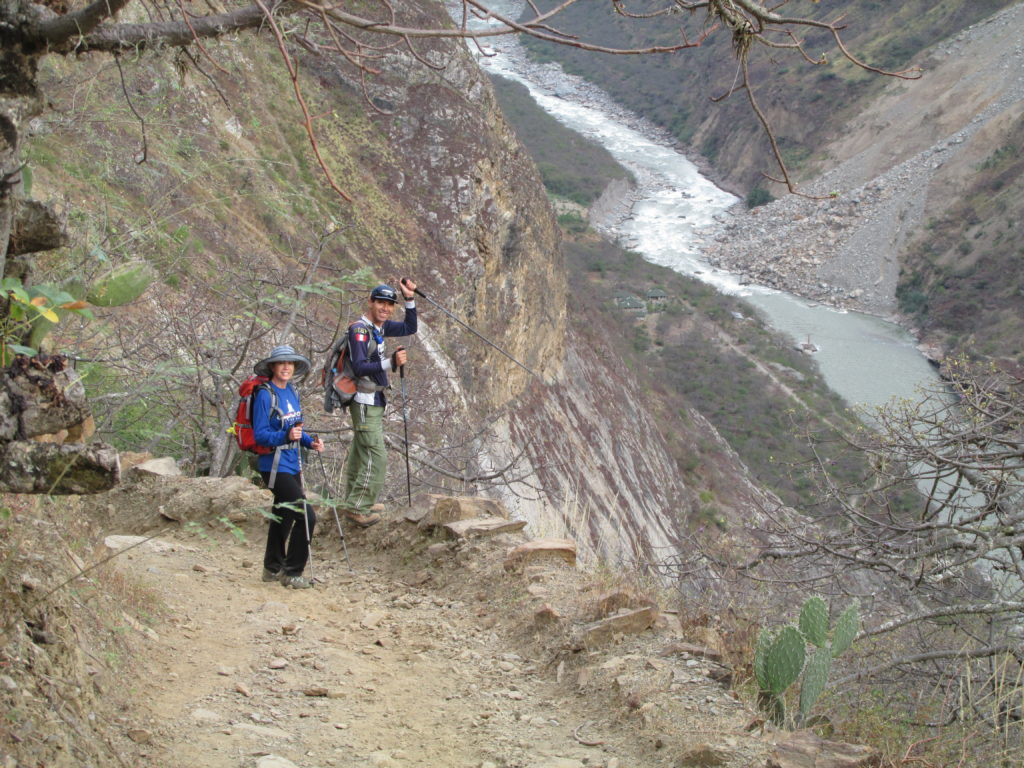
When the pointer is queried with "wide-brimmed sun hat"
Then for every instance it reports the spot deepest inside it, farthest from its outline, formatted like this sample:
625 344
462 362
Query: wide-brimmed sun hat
283 354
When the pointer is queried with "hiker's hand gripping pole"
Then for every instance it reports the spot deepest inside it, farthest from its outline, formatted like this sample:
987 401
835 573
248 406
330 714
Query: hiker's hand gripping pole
472 330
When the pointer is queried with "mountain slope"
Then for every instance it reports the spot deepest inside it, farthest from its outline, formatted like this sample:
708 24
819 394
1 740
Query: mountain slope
211 181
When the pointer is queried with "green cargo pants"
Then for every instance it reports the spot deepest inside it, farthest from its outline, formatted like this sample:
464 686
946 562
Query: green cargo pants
367 458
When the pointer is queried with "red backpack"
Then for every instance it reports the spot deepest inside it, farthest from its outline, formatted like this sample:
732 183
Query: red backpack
242 427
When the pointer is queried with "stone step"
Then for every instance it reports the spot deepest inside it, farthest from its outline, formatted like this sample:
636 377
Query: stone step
449 509
541 551
482 526
603 632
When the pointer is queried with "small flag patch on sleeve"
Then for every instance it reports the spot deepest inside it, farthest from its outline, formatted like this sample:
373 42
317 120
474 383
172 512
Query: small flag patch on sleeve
361 337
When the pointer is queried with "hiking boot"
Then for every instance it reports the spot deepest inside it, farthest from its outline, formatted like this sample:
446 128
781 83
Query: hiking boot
363 521
269 575
295 582
378 507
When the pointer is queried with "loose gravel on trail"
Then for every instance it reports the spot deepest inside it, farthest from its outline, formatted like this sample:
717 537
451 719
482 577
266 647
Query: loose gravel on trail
426 654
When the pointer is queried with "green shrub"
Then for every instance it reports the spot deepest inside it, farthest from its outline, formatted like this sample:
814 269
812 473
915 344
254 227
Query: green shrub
758 196
572 222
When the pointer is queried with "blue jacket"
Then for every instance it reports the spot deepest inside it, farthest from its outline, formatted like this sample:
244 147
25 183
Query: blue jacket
377 365
271 429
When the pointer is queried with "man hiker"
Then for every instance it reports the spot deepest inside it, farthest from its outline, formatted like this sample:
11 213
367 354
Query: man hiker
367 458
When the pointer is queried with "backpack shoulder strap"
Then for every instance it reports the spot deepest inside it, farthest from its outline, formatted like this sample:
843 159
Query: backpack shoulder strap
277 451
371 344
273 396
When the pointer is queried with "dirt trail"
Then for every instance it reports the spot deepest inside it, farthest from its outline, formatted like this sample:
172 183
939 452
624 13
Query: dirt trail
417 657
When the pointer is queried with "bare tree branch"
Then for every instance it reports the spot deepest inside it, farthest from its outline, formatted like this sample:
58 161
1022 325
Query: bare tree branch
57 31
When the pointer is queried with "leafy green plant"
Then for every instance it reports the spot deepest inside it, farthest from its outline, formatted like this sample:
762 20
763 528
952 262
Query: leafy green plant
781 658
121 285
234 530
34 310
30 308
195 529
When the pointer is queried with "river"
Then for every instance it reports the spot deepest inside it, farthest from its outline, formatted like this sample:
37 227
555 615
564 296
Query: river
866 360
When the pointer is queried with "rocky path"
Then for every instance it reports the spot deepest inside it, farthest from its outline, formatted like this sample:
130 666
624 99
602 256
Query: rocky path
427 653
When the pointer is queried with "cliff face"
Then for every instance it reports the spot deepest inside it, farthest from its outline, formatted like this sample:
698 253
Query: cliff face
594 440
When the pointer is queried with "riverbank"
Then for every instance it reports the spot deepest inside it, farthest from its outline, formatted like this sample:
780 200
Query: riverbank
790 245
898 166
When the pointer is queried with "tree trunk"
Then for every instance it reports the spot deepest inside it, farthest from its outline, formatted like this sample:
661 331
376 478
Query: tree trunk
19 103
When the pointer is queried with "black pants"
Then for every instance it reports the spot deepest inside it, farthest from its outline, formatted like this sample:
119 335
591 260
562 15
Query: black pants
287 545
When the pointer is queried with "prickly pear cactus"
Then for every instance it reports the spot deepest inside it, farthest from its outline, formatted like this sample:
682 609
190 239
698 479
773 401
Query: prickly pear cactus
779 658
784 660
846 629
764 642
814 621
815 679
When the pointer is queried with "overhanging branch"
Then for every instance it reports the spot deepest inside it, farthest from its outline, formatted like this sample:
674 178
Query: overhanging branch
117 37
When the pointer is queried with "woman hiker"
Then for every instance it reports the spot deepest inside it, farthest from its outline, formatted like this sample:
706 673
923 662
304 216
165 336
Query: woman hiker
277 423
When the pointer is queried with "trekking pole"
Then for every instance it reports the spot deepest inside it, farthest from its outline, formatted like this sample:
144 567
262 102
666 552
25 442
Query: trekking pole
305 510
334 509
405 423
472 330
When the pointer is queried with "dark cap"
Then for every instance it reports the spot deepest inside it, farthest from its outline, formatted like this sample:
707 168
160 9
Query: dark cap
384 293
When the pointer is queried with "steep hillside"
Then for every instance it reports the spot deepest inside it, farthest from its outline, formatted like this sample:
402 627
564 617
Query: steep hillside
962 277
209 178
572 166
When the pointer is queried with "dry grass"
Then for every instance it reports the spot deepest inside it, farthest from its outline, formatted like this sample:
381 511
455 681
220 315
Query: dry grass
69 629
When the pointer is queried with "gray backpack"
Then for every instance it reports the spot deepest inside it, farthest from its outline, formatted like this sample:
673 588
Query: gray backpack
337 378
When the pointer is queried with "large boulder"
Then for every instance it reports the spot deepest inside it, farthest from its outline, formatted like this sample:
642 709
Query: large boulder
154 492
